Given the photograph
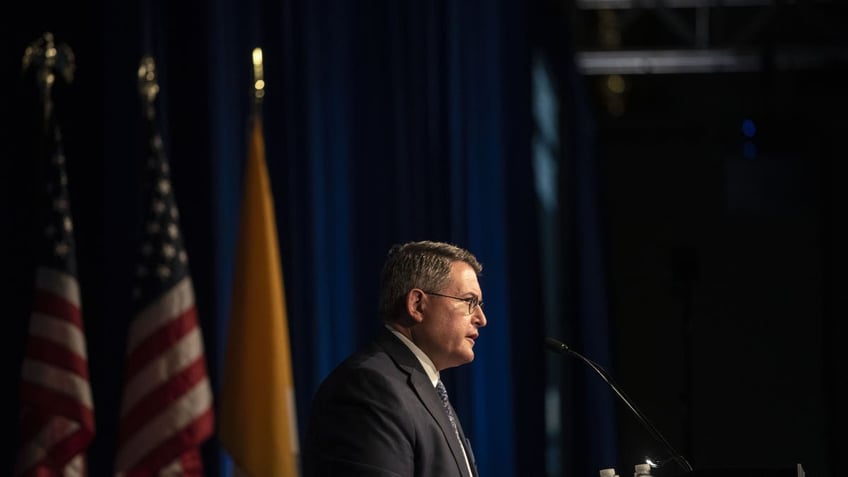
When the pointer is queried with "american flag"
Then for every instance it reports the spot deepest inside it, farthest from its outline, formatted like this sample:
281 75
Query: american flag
57 412
166 412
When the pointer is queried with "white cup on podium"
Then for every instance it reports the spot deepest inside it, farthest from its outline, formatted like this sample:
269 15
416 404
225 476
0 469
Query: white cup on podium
641 470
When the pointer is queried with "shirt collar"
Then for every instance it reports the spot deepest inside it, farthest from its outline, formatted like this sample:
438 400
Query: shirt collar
425 360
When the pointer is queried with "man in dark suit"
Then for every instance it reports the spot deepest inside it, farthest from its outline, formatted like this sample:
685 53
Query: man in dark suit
384 411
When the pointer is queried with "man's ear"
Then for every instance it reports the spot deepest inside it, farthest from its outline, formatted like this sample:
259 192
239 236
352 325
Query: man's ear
415 305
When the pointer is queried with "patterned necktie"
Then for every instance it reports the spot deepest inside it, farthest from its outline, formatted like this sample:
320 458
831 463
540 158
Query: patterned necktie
443 394
466 449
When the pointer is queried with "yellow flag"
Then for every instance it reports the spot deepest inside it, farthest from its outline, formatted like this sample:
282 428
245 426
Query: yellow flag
258 425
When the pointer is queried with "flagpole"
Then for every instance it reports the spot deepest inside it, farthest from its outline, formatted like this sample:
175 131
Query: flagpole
258 419
49 59
148 87
258 80
56 410
166 415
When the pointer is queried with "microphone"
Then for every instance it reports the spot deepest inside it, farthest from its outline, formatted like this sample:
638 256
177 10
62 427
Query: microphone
562 348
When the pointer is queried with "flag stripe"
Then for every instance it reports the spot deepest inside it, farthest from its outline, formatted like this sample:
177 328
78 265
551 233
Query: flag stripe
188 435
167 336
32 423
182 421
56 431
76 467
62 385
162 369
57 306
38 398
58 444
53 352
174 301
152 404
58 283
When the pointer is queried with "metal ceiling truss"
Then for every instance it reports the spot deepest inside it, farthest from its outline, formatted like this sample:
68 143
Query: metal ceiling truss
708 36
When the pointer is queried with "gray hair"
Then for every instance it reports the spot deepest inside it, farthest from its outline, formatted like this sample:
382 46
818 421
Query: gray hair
425 265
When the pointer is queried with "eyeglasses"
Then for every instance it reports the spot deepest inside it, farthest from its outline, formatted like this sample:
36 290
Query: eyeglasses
473 302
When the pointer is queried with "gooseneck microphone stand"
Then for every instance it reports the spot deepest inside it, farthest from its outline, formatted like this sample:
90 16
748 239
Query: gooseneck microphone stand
561 348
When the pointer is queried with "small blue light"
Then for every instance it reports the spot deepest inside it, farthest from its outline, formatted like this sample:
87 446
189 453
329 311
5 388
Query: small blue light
749 150
749 128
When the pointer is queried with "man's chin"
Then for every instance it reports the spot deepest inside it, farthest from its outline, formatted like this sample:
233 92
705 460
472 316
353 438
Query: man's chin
464 359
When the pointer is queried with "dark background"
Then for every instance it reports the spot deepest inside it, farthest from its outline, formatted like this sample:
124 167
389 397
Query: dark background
726 250
704 268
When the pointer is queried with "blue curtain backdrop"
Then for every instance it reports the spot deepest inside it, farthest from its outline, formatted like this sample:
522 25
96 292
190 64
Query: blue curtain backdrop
572 240
385 122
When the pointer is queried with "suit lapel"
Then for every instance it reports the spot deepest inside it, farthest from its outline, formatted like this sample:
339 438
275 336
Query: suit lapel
420 383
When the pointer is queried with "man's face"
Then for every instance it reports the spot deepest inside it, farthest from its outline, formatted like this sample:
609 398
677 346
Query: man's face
447 331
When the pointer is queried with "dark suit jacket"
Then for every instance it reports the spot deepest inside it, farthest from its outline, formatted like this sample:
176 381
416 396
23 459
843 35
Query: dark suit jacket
378 414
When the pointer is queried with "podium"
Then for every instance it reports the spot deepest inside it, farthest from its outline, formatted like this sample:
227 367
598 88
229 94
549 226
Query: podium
785 471
789 471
